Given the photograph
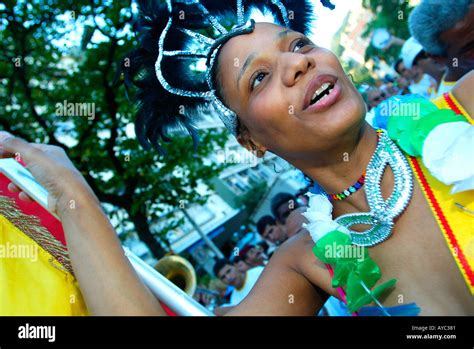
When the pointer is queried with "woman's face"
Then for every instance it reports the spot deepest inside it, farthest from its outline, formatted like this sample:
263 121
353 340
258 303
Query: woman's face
270 77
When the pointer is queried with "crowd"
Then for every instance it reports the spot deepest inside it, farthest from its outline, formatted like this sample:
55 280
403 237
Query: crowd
241 270
434 58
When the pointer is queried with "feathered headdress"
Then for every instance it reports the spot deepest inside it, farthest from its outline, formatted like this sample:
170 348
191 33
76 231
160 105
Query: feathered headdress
179 43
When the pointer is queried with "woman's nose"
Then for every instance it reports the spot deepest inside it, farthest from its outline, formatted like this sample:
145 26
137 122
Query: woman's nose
294 66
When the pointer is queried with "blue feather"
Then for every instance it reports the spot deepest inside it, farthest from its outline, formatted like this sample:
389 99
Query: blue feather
411 309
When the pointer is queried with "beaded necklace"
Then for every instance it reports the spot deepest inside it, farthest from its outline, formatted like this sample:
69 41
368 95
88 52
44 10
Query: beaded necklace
353 188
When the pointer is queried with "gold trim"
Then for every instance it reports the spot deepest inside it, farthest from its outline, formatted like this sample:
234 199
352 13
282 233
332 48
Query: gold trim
31 226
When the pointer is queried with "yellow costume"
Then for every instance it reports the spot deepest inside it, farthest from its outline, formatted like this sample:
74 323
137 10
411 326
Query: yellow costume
453 212
35 274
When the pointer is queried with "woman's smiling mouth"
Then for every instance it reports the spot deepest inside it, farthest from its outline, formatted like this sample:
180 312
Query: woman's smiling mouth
323 91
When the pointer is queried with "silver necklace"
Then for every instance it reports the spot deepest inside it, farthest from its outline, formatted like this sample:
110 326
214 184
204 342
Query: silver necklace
382 212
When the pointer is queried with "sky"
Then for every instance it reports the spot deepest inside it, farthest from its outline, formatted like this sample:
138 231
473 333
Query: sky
328 22
326 25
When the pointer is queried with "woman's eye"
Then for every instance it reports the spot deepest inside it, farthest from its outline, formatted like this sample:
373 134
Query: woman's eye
300 44
257 80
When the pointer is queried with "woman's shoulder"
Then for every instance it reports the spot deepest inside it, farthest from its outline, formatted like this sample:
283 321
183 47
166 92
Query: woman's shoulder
297 253
463 91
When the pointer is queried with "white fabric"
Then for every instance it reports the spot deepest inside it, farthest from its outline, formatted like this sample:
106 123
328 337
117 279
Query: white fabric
410 49
426 87
251 278
319 215
451 160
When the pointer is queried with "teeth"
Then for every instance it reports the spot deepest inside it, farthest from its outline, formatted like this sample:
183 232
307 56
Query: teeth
320 90
323 98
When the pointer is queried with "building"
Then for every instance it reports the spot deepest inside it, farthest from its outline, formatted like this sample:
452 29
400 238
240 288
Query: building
351 40
224 213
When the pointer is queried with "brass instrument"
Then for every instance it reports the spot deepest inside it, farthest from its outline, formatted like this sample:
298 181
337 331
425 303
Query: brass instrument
179 271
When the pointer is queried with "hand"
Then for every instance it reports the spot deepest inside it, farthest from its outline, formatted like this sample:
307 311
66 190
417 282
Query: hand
50 166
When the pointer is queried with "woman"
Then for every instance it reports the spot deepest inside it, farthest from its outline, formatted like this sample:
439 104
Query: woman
291 98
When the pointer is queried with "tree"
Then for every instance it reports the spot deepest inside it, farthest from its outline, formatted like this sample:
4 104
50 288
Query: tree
66 96
393 16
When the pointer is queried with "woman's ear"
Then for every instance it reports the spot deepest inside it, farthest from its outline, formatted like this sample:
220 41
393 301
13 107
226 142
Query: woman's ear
245 140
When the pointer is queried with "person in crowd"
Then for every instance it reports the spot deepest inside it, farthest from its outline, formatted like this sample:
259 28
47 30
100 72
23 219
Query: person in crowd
242 282
241 265
270 230
403 71
422 60
375 96
287 211
281 206
403 85
444 28
419 65
294 222
253 255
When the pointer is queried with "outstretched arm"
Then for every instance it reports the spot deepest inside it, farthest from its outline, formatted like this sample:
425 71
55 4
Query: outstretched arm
281 290
109 283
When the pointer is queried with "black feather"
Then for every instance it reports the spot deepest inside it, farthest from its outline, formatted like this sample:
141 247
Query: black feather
159 111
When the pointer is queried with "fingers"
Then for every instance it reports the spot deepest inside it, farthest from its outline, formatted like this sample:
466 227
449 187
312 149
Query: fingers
11 146
13 188
23 196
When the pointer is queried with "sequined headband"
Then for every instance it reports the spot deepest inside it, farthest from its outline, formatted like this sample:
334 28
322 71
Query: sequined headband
208 48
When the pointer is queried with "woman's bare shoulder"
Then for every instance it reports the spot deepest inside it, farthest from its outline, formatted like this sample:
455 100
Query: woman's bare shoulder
463 91
297 253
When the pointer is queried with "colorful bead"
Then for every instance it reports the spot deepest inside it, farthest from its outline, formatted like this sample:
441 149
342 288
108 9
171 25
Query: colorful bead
357 185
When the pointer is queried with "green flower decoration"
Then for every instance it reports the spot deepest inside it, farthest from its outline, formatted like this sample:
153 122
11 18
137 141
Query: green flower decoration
327 247
428 123
414 120
341 273
357 296
352 269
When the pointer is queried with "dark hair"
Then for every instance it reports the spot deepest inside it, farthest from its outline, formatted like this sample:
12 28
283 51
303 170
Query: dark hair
263 222
263 244
421 55
397 64
244 251
280 199
220 263
159 112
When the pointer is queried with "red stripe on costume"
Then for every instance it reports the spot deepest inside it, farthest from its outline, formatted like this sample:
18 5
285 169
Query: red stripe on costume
444 222
47 220
451 103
